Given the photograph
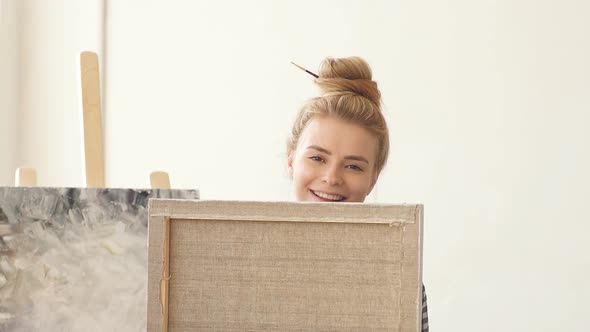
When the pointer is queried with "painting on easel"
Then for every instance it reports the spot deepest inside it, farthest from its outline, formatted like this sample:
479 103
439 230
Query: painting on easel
75 259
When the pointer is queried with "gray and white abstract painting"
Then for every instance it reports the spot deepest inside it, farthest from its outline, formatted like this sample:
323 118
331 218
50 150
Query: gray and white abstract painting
75 259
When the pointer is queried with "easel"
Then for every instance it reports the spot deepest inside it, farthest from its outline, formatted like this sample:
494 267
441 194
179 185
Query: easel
25 177
92 129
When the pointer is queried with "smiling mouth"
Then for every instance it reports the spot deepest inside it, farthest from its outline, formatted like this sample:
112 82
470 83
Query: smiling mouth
327 197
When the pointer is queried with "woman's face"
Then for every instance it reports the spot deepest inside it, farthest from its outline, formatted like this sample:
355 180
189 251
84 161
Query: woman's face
334 162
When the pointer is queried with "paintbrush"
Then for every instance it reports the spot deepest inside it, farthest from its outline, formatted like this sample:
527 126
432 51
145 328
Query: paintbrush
305 70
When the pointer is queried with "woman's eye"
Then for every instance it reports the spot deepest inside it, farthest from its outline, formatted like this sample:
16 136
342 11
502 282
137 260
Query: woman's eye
316 158
355 168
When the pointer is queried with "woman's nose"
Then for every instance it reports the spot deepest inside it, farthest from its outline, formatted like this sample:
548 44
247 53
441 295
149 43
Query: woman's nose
332 176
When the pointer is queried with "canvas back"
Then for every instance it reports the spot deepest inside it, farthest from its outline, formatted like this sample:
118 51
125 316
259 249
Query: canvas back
277 266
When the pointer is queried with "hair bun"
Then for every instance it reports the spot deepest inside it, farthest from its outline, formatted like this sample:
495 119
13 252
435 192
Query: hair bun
347 76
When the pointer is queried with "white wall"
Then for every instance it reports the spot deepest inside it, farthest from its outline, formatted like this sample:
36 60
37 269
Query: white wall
51 35
487 102
8 78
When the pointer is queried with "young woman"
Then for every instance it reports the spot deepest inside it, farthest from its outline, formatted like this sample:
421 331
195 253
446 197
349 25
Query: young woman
340 142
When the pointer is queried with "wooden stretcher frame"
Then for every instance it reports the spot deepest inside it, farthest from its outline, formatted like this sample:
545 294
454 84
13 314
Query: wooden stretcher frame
404 222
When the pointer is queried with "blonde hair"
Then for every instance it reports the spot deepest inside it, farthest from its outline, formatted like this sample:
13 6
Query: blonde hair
348 93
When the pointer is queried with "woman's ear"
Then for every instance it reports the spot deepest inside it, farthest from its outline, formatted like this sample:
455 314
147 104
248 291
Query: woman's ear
290 155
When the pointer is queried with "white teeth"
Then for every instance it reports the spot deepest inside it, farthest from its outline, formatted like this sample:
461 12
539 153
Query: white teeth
328 196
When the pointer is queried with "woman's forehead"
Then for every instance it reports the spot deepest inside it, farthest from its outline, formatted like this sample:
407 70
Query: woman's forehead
339 136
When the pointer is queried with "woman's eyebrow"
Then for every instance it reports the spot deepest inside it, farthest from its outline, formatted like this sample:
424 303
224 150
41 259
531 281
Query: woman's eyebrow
357 158
320 149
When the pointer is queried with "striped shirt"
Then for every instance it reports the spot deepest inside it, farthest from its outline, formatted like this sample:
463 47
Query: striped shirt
424 311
